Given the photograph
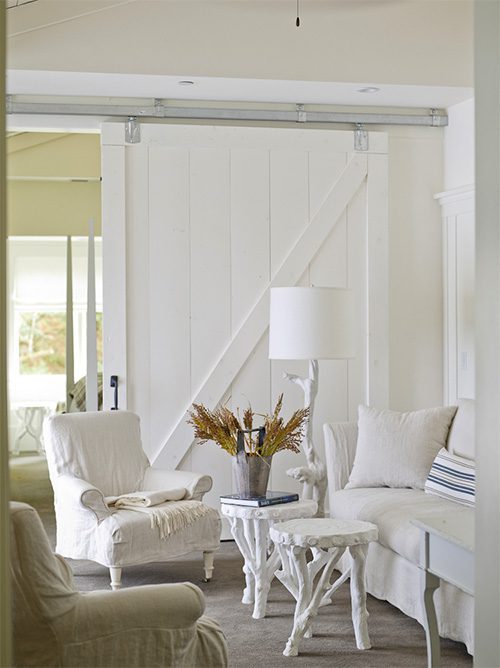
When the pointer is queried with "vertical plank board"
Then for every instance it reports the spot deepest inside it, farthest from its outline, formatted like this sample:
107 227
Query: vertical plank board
210 290
250 271
289 197
138 288
169 271
357 281
377 232
450 309
465 306
210 259
114 271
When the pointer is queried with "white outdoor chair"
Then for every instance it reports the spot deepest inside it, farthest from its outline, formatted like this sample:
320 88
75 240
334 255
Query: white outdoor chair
54 625
96 455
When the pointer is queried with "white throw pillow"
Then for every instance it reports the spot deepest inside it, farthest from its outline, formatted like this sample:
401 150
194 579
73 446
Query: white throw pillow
397 449
452 477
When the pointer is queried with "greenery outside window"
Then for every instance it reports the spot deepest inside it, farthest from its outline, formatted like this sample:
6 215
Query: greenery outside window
42 342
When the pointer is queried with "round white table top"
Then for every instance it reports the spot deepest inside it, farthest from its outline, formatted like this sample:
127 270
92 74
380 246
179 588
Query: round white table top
275 512
323 532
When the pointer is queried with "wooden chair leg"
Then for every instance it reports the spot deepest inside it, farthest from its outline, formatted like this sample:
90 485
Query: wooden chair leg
116 577
208 565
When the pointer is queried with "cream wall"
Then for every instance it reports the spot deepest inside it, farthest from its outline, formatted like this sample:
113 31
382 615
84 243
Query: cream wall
53 207
459 146
425 42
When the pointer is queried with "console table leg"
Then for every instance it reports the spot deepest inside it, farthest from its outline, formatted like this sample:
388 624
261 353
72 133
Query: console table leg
430 583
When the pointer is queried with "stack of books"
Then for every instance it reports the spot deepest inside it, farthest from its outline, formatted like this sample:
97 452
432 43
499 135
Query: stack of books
268 500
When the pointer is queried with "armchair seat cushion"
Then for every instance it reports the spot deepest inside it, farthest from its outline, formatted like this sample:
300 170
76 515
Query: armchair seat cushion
392 511
126 538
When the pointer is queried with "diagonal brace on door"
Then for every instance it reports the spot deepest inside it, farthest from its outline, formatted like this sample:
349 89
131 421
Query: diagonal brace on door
244 341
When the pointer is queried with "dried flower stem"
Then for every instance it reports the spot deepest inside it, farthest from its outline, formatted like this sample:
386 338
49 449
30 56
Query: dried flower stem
222 426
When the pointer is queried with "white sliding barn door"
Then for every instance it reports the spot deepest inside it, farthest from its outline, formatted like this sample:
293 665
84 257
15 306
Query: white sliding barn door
200 221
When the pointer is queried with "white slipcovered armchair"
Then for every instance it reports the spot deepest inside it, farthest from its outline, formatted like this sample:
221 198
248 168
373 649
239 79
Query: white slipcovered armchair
54 625
96 455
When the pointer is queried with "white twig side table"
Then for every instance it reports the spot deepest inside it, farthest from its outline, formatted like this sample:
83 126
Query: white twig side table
327 539
250 530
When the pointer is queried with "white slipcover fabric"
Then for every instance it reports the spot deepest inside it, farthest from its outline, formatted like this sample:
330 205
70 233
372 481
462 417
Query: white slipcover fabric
54 625
392 510
397 449
462 438
392 571
96 455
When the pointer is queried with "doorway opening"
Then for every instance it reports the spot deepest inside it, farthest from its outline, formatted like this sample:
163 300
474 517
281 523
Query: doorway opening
53 191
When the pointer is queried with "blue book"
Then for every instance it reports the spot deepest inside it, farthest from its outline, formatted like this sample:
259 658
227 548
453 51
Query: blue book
268 500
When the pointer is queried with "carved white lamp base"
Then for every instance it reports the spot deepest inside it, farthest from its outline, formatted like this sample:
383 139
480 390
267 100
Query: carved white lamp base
250 530
327 539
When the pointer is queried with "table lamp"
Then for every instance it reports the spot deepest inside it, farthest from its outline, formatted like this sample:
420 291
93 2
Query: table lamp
311 324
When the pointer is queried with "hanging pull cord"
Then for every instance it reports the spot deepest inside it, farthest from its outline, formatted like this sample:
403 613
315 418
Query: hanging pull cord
297 20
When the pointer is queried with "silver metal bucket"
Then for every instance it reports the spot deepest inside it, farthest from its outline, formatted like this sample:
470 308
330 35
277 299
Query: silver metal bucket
251 474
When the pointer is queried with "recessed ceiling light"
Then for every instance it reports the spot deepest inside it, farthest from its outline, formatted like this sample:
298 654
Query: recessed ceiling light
186 82
368 89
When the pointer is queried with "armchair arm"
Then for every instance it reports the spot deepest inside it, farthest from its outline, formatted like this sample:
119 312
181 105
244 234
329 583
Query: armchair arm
78 493
146 625
172 606
196 484
340 449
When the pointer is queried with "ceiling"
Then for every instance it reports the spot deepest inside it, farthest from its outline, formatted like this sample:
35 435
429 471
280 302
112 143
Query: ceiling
244 50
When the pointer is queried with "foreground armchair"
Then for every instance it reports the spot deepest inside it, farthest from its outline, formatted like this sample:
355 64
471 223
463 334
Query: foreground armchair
54 625
93 457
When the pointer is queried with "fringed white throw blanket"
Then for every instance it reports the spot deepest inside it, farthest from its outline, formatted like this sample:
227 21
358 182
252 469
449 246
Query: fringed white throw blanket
168 516
146 499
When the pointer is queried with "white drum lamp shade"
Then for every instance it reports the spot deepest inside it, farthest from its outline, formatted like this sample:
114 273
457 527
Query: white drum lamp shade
311 323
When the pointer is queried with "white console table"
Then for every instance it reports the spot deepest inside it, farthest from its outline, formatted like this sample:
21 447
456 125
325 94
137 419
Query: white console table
30 417
447 553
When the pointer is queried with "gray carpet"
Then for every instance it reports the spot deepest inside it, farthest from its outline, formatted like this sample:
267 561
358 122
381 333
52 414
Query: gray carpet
397 640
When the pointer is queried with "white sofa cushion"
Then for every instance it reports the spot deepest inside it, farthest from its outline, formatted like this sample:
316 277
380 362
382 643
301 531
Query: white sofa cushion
392 511
397 449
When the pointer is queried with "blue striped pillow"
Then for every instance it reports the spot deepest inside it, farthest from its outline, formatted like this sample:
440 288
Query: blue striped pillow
452 477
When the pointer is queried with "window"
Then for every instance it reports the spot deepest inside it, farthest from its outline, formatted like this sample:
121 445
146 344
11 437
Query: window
37 316
42 343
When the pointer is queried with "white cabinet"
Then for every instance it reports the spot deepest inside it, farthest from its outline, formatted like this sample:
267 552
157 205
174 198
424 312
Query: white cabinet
458 284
